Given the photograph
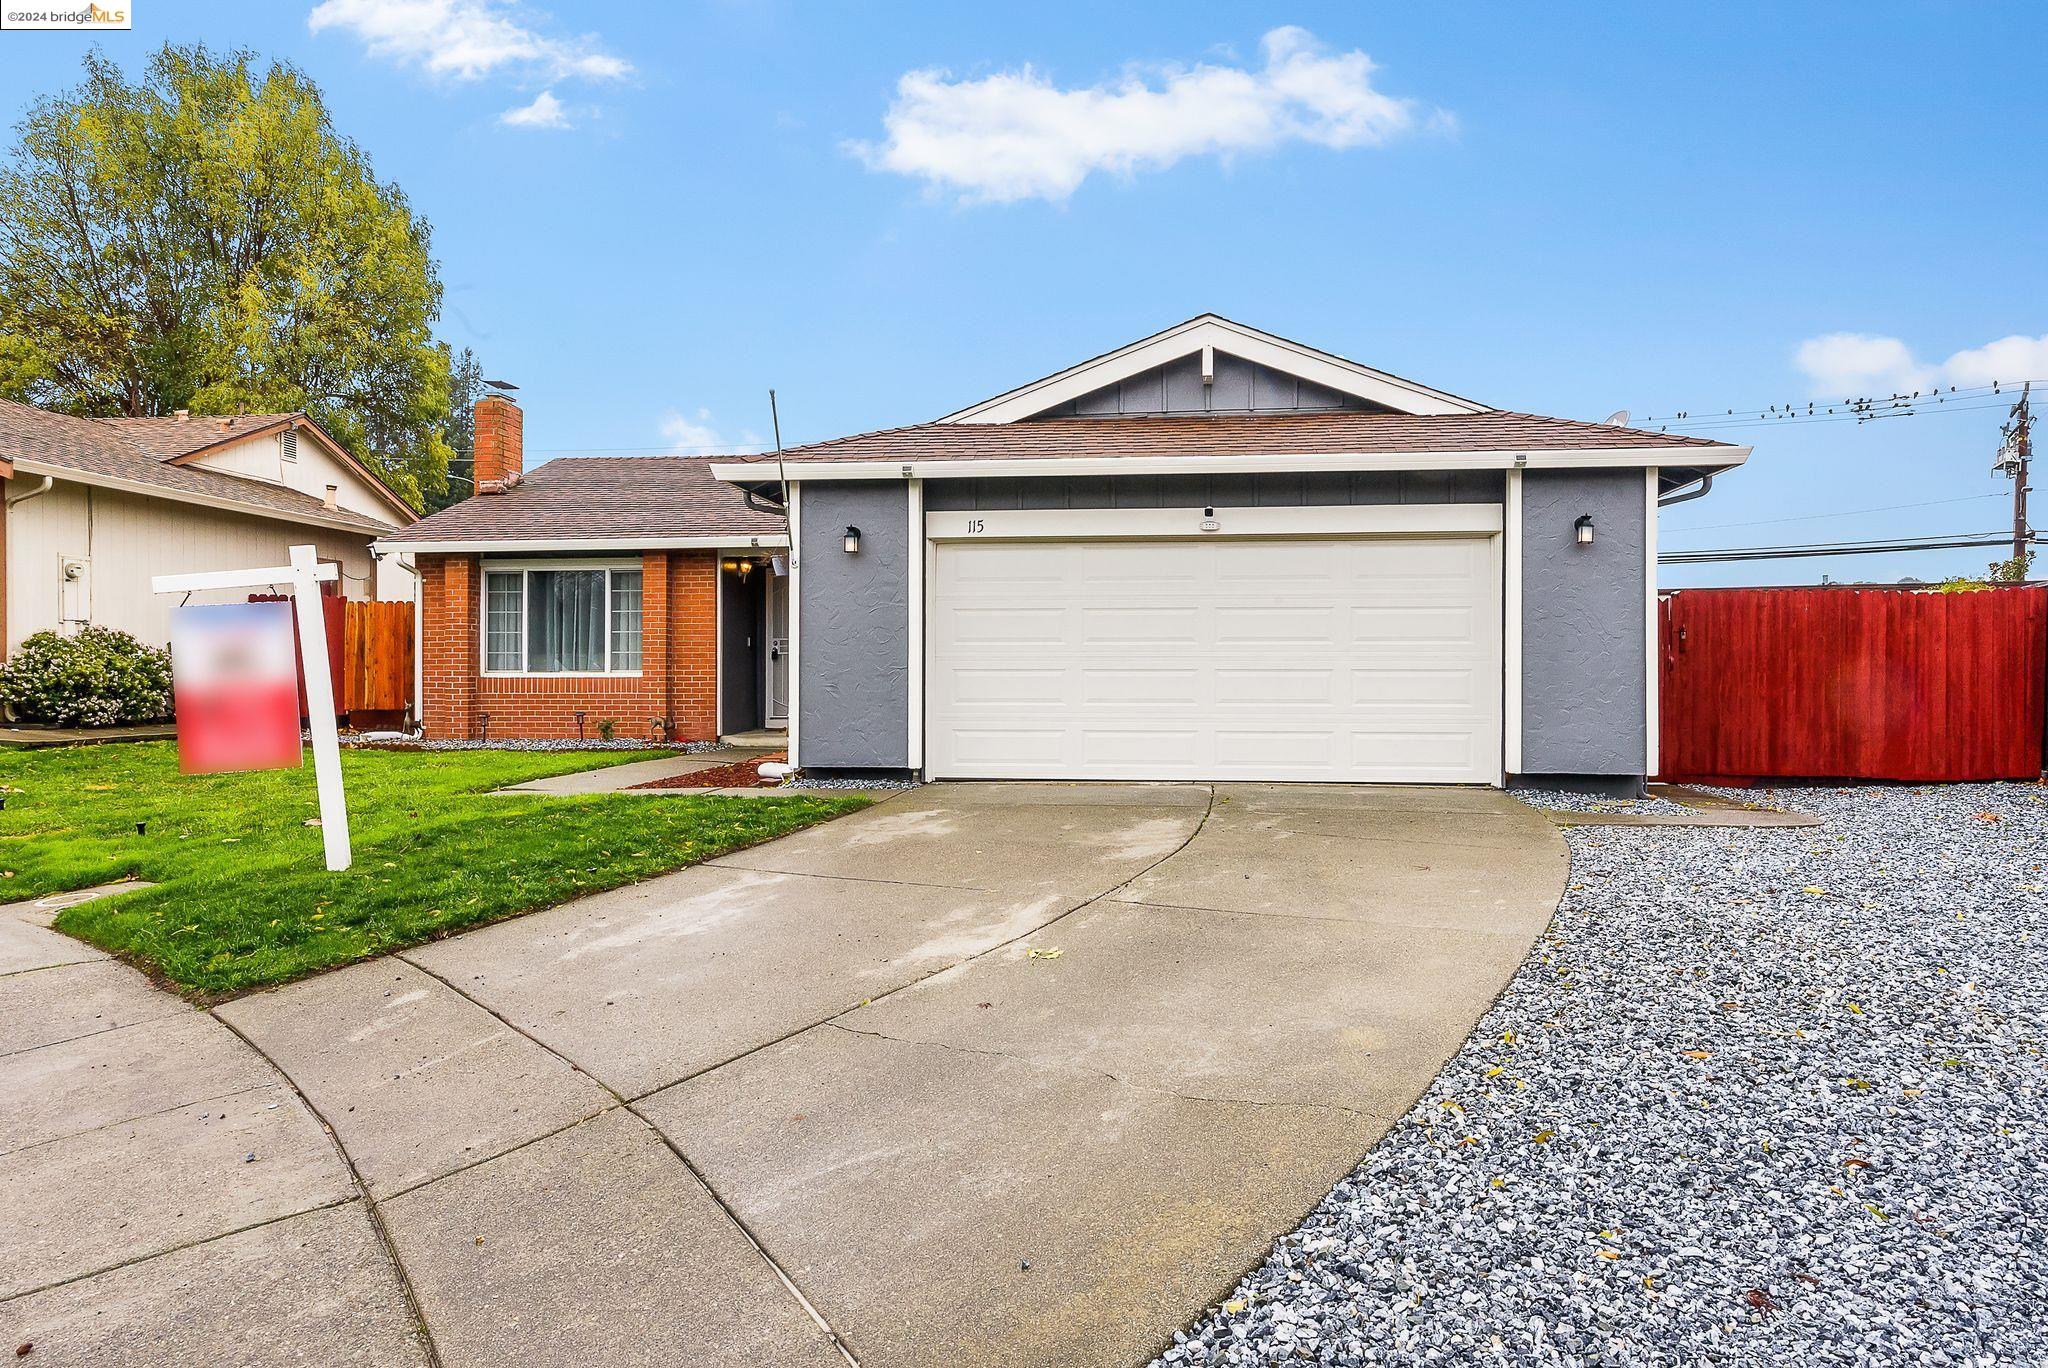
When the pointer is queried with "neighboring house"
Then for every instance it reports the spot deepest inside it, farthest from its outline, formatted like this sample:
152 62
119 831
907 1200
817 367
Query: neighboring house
1219 554
636 591
95 507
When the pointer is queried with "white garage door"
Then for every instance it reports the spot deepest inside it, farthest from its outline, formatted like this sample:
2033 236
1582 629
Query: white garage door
1366 659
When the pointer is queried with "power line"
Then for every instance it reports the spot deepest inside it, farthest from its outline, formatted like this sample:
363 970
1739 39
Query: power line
1782 412
1845 513
1866 548
1930 406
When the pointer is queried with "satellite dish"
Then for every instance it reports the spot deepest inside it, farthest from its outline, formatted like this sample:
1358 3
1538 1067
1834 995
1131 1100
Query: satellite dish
1619 418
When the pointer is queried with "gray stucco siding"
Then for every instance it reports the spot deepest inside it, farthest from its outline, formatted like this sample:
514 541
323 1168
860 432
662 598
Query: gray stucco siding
1290 489
1583 622
853 611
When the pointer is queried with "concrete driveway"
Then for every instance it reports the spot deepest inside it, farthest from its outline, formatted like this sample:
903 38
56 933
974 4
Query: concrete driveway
994 1074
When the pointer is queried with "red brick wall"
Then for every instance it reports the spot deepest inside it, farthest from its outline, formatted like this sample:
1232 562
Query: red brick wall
677 684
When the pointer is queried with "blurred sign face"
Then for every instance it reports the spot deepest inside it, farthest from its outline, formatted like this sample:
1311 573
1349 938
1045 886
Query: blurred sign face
234 672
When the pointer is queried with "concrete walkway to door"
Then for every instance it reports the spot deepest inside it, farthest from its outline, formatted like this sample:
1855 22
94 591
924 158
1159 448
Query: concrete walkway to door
993 1074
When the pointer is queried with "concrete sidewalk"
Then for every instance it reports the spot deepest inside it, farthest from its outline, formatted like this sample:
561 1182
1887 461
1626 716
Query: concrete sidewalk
1008 1074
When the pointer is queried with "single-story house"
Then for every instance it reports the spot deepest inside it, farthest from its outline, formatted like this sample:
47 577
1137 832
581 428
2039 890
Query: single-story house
633 594
95 507
1211 554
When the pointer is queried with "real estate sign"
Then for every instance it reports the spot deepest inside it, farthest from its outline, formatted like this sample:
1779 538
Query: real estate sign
235 676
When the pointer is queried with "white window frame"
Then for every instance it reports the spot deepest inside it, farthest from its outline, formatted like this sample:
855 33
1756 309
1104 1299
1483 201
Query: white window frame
525 567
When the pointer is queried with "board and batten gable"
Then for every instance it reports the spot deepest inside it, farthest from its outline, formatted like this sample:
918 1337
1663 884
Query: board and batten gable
853 663
309 471
1584 610
1238 386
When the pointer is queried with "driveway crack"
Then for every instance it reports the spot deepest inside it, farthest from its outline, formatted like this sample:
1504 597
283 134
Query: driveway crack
405 1284
628 1103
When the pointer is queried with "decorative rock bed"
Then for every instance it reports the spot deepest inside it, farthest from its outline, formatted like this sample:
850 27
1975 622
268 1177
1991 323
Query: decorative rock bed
1756 1097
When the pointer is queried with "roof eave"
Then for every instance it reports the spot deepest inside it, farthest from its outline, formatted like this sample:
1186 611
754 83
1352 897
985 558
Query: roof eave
310 518
760 473
453 546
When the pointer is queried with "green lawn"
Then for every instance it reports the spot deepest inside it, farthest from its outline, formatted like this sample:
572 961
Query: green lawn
244 898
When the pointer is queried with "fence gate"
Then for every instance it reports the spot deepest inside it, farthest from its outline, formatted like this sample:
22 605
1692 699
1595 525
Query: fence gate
369 654
1853 684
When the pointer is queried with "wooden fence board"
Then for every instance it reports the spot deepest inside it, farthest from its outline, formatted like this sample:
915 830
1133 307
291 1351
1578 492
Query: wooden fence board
1853 684
369 656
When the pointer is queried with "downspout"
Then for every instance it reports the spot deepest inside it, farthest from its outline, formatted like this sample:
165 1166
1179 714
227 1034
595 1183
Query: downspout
1706 483
27 494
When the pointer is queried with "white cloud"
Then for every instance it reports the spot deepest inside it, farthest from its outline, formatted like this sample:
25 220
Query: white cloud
465 39
1863 365
695 435
545 112
2009 358
1015 135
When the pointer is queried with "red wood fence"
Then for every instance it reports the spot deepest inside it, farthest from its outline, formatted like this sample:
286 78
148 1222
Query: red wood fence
369 658
1853 684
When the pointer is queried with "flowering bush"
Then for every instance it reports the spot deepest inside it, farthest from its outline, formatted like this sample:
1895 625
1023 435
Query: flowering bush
98 678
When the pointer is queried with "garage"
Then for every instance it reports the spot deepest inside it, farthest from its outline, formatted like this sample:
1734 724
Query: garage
1335 659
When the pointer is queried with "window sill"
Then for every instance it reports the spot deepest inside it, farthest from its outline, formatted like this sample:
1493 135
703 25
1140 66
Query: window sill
558 674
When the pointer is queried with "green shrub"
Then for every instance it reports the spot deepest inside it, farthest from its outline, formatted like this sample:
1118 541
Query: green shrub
98 678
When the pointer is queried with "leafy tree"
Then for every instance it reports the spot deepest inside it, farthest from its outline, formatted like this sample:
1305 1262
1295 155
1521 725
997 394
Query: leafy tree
465 387
204 239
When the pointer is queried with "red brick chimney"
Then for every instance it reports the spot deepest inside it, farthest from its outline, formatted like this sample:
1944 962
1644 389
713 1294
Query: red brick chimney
499 429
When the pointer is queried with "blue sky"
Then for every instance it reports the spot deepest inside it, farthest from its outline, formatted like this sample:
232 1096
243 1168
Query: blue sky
647 214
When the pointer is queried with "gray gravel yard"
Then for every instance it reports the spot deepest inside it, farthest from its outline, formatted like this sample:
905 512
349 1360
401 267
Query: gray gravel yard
1757 1097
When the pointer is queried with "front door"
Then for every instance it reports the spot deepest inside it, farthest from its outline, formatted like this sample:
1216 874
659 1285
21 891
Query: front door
778 650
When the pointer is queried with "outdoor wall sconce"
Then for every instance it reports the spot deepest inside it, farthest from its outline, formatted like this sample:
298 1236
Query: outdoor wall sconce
742 568
851 541
1584 528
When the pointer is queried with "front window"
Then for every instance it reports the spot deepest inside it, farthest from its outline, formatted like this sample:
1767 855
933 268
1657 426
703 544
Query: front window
569 619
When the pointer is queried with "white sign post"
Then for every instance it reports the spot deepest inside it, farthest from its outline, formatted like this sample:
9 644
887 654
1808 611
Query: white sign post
305 575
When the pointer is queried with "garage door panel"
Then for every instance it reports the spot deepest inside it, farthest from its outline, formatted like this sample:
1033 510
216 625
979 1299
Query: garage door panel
1010 748
1160 688
1342 660
1440 690
1272 624
1009 688
1138 626
1265 687
1136 746
1397 627
1004 626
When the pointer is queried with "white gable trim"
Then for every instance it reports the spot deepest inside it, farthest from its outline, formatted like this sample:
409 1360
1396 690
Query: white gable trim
1204 334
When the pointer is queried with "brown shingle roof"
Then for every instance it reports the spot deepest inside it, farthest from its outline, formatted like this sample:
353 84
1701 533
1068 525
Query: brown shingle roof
102 447
169 438
623 497
1262 434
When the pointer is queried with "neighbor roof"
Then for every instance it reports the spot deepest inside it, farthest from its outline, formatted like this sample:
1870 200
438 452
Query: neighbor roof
142 454
1260 434
629 499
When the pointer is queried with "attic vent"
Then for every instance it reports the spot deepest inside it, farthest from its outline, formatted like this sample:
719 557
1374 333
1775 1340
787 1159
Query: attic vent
288 443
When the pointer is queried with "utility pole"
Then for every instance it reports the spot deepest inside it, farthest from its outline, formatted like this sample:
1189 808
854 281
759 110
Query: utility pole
2013 458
